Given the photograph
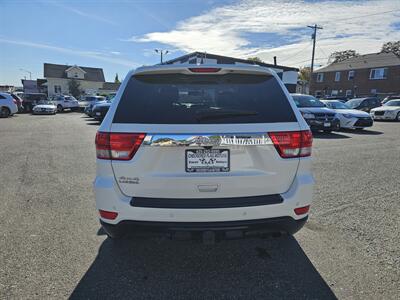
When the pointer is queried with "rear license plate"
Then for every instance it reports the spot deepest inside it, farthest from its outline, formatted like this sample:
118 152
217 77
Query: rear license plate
207 160
327 124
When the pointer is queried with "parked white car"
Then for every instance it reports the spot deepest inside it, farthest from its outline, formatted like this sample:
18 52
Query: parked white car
89 101
349 118
206 149
389 111
44 107
65 102
8 106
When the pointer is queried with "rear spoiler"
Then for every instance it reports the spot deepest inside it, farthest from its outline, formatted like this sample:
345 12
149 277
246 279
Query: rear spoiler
219 69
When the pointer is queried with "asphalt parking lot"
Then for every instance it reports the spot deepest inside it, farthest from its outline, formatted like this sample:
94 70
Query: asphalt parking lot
51 245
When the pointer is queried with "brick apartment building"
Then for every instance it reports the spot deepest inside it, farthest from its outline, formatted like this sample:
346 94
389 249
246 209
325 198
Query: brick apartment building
365 75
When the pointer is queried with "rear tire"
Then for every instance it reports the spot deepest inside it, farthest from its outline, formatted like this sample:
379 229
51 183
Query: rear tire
113 232
398 117
4 112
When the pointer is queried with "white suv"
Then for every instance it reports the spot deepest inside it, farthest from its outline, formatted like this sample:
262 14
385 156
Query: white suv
8 105
65 102
214 149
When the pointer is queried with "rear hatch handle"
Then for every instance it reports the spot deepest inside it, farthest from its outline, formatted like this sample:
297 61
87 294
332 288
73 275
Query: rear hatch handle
207 187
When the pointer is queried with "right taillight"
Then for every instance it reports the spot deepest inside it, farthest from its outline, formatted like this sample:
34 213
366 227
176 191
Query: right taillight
118 146
291 144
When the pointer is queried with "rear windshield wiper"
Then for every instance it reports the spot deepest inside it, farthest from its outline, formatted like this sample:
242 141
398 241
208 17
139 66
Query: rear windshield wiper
225 114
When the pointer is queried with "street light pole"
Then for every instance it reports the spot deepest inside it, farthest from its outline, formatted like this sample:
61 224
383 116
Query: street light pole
162 52
27 71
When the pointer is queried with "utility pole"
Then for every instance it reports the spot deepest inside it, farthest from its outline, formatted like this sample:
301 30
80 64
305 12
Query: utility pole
314 37
165 52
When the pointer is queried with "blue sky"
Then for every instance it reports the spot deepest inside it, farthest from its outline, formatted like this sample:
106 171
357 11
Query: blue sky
121 35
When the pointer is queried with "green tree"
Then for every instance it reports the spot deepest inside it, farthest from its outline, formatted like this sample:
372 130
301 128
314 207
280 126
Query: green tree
339 56
74 88
116 80
255 59
393 47
304 74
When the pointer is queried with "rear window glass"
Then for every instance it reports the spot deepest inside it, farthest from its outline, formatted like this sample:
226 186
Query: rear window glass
204 99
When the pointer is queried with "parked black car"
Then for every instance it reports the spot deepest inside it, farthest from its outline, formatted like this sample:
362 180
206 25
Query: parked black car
316 114
100 110
31 99
364 104
339 98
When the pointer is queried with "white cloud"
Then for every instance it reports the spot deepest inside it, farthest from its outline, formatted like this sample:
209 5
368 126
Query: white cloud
115 52
82 53
225 29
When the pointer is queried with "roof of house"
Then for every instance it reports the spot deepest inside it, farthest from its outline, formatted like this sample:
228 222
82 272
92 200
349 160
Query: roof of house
226 60
113 86
367 61
59 71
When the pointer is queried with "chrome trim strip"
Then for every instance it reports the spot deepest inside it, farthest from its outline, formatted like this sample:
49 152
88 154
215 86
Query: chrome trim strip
207 140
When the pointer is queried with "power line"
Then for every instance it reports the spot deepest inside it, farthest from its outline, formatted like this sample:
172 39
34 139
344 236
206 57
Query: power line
299 62
295 54
323 52
374 14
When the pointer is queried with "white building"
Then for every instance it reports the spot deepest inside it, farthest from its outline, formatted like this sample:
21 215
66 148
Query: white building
91 80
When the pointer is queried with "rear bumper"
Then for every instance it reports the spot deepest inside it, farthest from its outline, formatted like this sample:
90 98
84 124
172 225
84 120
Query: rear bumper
384 117
274 212
43 112
320 125
98 114
245 227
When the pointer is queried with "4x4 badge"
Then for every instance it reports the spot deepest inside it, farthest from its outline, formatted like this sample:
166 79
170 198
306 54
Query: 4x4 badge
128 180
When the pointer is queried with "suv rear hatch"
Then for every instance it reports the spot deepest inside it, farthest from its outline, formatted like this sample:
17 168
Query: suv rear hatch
204 136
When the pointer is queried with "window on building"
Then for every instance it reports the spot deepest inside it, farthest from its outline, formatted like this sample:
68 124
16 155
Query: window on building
334 93
380 73
348 93
320 77
374 91
337 76
318 94
351 75
57 89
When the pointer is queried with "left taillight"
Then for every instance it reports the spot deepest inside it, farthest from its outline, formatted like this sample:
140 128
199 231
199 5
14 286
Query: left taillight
118 146
290 144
